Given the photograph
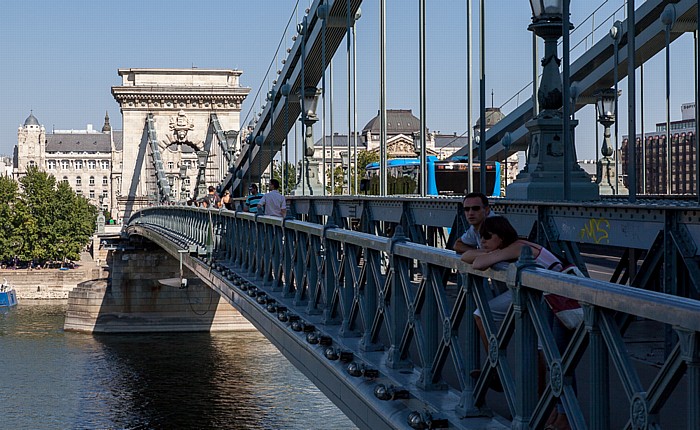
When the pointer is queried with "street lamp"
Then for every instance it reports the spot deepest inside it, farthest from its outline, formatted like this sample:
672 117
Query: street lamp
345 160
232 148
202 157
506 141
183 176
545 170
312 185
607 178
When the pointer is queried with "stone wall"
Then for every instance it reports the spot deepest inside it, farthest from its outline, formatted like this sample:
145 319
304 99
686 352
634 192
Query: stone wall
136 297
47 283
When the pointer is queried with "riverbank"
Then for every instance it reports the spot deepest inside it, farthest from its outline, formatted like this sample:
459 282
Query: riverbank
50 285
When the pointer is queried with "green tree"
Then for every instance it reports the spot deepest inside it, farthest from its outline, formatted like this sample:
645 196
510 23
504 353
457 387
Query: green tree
50 221
291 176
340 174
8 200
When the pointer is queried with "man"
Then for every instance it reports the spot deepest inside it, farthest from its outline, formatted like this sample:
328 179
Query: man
476 209
253 199
212 199
274 203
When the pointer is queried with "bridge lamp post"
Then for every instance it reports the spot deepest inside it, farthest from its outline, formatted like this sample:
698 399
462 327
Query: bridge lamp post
545 170
183 187
312 186
506 141
202 157
607 178
232 148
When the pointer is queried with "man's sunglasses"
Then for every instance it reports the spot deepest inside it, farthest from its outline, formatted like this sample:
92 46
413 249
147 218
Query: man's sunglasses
472 208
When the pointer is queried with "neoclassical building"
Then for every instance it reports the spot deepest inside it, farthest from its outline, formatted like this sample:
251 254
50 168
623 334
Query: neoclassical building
82 158
167 117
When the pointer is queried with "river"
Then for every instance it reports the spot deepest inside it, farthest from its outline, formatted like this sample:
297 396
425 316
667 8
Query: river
51 379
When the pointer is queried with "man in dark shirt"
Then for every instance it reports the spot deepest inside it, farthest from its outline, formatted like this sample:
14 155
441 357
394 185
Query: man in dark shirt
251 203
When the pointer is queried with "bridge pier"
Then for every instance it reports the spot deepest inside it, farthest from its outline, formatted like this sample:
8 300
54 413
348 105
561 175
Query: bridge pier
131 299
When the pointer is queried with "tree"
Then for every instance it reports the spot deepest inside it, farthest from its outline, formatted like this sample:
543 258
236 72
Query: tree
291 176
49 221
8 200
340 173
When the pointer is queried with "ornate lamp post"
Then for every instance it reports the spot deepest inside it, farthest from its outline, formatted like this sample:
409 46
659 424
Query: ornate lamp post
101 217
312 185
543 175
232 148
183 177
202 157
606 177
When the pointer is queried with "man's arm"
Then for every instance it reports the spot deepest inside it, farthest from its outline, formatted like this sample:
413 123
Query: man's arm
461 247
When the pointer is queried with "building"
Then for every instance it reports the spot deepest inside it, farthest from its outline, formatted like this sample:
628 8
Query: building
652 160
119 169
82 158
403 140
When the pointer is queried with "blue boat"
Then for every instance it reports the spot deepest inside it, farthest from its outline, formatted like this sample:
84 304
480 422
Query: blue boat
8 295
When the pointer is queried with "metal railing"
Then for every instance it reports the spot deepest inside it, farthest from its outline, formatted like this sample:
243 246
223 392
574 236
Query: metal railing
404 311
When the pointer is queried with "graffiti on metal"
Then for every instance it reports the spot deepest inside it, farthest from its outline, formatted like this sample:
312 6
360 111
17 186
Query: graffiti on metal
596 230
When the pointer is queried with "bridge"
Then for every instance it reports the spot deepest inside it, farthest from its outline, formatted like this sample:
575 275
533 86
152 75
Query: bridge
382 324
364 297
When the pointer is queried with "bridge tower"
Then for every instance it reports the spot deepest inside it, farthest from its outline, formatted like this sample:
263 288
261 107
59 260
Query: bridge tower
181 102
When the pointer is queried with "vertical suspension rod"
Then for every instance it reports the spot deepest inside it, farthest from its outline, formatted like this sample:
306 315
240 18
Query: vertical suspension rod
421 55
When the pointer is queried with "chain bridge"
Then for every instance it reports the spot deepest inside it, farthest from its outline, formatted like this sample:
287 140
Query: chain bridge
359 294
364 295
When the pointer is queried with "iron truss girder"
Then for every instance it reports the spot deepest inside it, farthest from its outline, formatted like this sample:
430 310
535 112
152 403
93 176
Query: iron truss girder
279 115
161 181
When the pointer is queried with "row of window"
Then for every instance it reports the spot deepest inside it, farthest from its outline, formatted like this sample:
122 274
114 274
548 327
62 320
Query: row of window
79 181
77 164
91 193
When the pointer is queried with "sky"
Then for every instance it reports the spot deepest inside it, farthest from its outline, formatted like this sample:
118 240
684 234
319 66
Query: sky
60 59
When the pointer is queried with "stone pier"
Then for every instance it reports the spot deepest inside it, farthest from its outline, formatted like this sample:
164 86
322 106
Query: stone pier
133 298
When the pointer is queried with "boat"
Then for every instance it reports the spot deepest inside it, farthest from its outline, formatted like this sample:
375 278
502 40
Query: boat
8 295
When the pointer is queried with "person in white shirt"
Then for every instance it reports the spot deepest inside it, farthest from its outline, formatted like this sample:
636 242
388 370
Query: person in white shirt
273 202
476 209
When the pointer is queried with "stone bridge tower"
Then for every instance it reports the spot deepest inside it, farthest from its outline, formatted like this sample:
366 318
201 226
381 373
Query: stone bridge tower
181 102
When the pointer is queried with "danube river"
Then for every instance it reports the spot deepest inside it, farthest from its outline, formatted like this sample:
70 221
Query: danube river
51 379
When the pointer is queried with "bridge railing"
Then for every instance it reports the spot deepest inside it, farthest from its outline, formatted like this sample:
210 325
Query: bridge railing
405 311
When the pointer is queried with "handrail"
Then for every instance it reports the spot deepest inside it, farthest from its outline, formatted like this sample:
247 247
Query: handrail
335 281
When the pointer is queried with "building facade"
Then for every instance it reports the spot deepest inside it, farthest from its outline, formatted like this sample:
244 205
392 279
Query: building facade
81 158
652 159
119 169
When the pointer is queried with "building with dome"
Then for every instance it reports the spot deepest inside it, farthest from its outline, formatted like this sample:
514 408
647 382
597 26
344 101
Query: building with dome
82 158
403 140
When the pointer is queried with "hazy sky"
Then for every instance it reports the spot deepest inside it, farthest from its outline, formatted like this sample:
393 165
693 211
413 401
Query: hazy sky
60 58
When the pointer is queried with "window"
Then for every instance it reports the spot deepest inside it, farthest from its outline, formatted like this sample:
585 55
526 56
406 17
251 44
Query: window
105 181
79 192
92 194
78 181
91 164
105 194
78 164
92 181
65 179
187 181
65 164
105 164
51 164
171 165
